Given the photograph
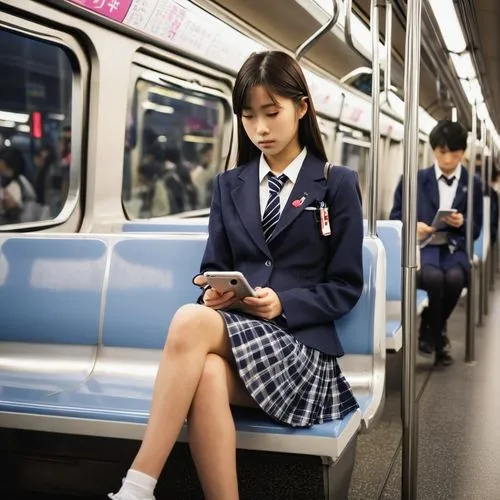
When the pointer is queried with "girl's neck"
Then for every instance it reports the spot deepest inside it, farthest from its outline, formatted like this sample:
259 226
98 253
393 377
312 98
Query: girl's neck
280 161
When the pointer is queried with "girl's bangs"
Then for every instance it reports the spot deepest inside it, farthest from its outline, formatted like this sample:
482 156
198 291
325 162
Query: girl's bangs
243 99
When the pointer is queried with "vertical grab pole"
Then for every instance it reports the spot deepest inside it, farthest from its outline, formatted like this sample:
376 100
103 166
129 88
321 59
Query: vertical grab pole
496 159
409 403
388 49
482 270
493 248
471 310
375 122
487 262
483 156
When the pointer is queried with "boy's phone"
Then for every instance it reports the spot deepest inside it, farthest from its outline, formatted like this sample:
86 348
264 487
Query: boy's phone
225 281
438 223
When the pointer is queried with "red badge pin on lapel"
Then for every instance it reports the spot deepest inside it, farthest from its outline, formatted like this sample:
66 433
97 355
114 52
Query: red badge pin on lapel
298 203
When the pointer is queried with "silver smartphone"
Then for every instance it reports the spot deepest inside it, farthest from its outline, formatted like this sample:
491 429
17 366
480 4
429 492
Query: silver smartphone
438 222
225 281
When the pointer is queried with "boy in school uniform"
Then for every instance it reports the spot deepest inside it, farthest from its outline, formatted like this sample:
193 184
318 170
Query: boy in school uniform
444 263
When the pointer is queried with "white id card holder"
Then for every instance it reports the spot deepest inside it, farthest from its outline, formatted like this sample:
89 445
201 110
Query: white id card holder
324 220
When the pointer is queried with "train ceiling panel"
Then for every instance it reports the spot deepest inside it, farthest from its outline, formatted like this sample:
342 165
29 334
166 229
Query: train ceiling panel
290 22
433 62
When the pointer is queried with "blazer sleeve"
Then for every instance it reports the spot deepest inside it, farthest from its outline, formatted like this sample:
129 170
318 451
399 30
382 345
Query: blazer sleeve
218 255
397 210
343 284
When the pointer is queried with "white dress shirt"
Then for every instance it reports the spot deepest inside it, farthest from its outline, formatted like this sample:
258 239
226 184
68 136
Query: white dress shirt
447 193
291 171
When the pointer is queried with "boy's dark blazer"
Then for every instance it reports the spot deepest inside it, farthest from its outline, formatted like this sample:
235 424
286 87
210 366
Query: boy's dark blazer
428 205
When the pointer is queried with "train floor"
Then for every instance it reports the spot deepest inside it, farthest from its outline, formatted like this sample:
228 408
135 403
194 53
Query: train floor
459 434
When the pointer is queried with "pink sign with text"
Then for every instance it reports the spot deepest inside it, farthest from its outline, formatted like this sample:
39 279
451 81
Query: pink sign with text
112 9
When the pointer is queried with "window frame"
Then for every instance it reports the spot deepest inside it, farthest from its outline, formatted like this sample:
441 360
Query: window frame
79 114
364 148
163 74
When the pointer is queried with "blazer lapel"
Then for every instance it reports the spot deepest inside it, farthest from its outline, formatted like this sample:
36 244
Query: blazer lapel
461 192
246 200
309 186
431 188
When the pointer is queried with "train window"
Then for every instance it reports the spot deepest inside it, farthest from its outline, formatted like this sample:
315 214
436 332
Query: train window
172 150
36 80
356 155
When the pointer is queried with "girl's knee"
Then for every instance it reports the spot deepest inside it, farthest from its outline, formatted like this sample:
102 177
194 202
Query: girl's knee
213 382
214 372
188 326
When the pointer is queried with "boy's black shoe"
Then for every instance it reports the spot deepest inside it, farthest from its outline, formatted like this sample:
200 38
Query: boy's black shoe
444 358
425 347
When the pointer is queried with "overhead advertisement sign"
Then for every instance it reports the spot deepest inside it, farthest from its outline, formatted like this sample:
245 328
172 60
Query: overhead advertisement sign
181 24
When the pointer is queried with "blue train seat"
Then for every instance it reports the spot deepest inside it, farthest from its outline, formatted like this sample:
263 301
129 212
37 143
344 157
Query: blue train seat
362 333
482 244
390 233
50 300
147 278
481 254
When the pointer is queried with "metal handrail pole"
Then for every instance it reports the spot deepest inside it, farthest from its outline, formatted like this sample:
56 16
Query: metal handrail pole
489 167
388 49
471 293
493 248
409 317
482 263
304 47
372 186
487 264
483 156
348 28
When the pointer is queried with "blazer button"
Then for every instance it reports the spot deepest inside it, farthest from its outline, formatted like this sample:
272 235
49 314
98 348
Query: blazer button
268 263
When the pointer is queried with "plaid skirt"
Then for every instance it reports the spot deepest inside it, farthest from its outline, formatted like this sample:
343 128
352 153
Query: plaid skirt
293 383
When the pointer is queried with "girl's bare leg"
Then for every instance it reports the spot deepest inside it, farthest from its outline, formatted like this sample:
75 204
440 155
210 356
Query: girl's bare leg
195 332
211 432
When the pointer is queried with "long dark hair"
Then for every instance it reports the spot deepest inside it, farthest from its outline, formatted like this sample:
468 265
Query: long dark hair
281 75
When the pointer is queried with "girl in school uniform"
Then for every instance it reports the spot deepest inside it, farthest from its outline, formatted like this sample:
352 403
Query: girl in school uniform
276 351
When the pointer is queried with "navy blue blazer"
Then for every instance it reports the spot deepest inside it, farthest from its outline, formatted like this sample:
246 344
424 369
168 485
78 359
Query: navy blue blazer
318 279
428 205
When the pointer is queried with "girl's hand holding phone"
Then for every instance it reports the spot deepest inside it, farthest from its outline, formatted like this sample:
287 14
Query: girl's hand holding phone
216 300
212 298
266 304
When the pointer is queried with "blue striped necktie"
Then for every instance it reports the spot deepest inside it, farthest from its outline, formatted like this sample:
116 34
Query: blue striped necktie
272 212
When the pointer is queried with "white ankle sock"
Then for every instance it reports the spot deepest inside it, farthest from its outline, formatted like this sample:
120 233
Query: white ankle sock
137 486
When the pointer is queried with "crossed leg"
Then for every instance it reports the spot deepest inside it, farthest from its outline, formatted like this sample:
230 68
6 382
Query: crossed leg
196 379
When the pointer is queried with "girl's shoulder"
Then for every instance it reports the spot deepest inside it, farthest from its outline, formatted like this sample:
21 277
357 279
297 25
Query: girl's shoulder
338 170
338 175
